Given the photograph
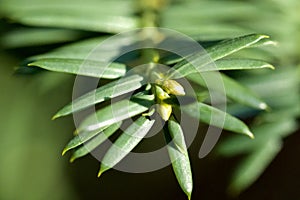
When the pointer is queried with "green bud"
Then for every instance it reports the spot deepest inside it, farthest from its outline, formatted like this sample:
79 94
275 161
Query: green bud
173 87
160 93
164 110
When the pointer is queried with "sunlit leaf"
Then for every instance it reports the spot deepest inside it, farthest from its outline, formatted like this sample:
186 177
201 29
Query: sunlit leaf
236 64
76 50
37 36
188 11
179 156
117 112
196 61
125 143
82 67
268 85
95 142
108 91
97 49
114 17
213 116
232 89
80 139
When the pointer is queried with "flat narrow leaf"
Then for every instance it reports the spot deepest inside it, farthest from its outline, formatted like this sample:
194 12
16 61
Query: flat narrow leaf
189 11
76 50
236 64
117 112
265 42
114 17
91 68
95 142
170 59
268 84
37 36
179 157
108 91
80 139
208 31
230 46
96 49
213 116
125 143
233 90
108 24
176 134
194 62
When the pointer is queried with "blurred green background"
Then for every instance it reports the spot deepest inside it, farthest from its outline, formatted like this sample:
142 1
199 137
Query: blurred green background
32 167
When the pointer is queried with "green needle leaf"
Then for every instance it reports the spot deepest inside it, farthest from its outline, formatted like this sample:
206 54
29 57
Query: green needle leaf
233 90
91 68
80 139
114 17
26 37
236 64
76 50
216 52
176 131
179 156
125 143
108 91
230 46
95 142
218 118
117 112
